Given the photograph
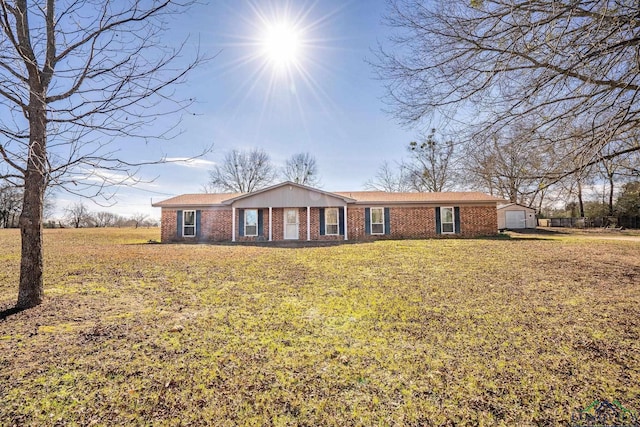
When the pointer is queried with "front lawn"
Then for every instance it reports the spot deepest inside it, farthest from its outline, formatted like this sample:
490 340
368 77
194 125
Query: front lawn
509 331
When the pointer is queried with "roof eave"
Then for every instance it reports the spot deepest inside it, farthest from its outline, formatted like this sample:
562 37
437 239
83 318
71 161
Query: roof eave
282 184
425 202
188 205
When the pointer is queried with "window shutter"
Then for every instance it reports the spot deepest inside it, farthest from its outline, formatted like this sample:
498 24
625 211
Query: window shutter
387 221
367 221
438 222
341 221
198 221
260 222
456 216
179 230
322 228
240 222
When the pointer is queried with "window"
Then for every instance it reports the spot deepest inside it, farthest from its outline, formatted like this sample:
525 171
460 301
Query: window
447 223
377 220
251 222
331 221
189 223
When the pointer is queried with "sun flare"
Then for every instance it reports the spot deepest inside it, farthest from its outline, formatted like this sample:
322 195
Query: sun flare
281 44
286 46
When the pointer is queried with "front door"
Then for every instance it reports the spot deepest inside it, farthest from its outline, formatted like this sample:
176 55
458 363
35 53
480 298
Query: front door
291 224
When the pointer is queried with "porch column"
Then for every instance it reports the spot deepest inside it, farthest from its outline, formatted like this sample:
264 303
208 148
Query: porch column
345 222
270 224
308 222
233 224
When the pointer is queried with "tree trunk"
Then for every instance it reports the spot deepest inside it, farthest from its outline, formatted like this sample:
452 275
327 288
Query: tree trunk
611 184
540 201
31 288
513 194
580 201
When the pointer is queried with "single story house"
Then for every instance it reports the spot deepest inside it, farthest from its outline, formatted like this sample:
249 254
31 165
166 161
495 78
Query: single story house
290 211
513 216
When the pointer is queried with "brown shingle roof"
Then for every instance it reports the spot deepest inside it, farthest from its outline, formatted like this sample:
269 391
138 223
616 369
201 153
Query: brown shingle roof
196 200
450 197
360 197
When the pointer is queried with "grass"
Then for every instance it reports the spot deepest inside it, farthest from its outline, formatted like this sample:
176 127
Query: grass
512 331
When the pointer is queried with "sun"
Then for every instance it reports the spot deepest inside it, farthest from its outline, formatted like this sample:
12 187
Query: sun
281 45
284 47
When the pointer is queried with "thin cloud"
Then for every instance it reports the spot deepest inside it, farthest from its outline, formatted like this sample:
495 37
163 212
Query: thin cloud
191 163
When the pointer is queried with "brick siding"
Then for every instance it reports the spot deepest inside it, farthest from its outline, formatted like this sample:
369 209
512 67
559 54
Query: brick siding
478 221
168 225
215 226
405 222
413 223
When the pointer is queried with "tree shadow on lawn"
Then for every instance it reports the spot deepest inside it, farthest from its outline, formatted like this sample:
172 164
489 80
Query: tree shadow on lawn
532 234
523 234
10 312
295 244
515 238
286 244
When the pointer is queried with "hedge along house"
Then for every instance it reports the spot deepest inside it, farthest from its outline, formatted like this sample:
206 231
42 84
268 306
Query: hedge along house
290 211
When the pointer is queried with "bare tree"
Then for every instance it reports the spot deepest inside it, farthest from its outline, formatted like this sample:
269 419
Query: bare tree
574 186
10 205
242 172
138 219
74 76
508 164
105 219
619 167
121 221
431 169
570 64
78 215
302 169
391 178
49 206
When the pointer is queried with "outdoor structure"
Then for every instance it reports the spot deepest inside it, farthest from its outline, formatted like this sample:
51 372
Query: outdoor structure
516 217
290 211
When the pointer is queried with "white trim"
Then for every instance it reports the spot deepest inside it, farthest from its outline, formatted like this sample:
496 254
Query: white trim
337 223
233 224
194 225
283 184
270 223
297 224
453 220
345 222
245 223
371 221
308 223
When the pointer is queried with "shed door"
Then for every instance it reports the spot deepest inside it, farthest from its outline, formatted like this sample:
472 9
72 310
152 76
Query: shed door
291 224
515 219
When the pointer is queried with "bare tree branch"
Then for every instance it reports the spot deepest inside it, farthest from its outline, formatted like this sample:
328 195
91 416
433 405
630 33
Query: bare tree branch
302 169
243 172
391 178
75 75
562 65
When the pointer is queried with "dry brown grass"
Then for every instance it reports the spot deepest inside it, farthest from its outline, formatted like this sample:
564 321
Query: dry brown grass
513 331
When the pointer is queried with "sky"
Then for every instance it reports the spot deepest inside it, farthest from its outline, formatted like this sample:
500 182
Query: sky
325 101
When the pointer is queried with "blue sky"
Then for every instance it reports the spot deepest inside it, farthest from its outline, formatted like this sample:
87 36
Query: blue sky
331 107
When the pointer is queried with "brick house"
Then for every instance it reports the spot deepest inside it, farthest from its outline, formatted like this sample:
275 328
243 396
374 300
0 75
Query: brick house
290 211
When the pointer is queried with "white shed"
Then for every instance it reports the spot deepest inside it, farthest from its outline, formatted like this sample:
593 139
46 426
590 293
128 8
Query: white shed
514 216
